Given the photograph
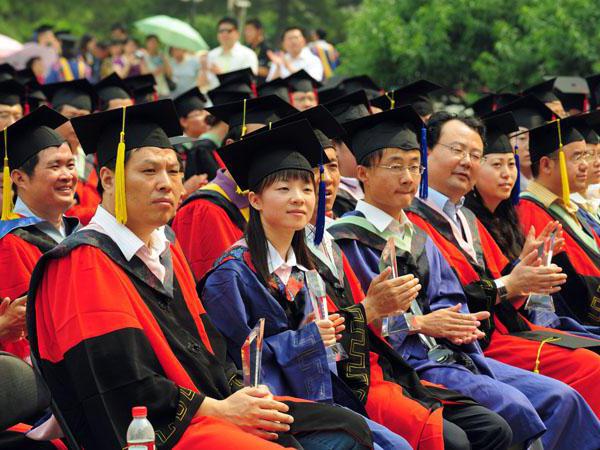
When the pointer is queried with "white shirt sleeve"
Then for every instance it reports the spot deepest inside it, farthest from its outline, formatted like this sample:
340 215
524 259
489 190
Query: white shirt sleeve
313 65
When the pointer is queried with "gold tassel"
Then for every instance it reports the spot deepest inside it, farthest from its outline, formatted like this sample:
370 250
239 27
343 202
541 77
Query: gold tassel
538 358
244 127
7 203
391 99
562 164
120 197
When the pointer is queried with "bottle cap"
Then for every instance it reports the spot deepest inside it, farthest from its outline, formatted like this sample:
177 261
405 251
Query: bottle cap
139 411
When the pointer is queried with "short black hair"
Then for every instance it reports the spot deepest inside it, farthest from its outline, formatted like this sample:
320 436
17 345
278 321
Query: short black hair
321 33
152 36
535 166
234 133
256 23
437 121
229 20
118 26
28 168
109 165
292 28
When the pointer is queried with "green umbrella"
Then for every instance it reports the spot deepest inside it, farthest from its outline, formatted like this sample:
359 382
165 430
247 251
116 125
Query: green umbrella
172 32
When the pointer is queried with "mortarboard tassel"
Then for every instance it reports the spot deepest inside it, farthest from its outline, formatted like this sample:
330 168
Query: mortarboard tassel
562 164
120 197
7 204
516 190
320 223
391 99
244 127
424 185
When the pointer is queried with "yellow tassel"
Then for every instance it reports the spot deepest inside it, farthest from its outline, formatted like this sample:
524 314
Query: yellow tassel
7 204
120 197
538 361
391 99
244 127
562 164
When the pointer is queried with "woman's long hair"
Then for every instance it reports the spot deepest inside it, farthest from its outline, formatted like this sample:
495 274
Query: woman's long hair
255 233
503 224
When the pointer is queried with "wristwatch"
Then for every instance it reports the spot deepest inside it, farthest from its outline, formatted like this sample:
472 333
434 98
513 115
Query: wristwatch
501 289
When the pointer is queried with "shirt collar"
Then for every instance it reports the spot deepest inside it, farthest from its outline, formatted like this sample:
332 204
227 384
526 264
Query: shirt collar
126 240
276 262
441 200
57 234
547 197
233 49
379 218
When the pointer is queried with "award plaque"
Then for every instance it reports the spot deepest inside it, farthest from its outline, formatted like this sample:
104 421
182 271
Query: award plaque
252 355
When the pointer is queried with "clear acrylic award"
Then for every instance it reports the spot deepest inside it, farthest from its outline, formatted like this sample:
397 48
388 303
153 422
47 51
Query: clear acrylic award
402 322
318 298
252 355
543 302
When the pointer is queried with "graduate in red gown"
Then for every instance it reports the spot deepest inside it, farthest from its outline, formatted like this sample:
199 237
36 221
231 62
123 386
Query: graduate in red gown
140 336
42 170
547 198
213 218
456 149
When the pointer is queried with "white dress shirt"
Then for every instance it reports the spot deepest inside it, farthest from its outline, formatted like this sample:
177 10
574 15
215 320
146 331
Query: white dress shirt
382 220
239 57
279 267
305 60
131 245
45 227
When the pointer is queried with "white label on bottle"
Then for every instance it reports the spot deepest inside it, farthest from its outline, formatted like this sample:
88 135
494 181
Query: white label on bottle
141 447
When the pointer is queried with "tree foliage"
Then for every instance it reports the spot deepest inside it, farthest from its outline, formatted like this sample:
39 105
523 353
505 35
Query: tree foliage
472 43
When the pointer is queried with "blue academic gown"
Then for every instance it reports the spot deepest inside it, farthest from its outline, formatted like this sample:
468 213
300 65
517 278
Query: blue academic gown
532 404
294 362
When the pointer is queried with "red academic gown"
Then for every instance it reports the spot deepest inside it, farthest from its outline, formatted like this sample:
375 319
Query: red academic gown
581 293
88 199
129 342
578 368
206 225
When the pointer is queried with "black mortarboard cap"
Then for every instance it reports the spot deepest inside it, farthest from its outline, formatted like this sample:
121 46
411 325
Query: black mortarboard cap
110 88
329 94
278 87
77 93
245 76
572 92
396 128
594 84
544 91
586 124
491 102
230 92
322 122
358 83
349 107
141 87
32 134
301 81
415 94
497 129
146 125
544 140
190 100
290 147
7 72
33 96
11 92
528 111
260 110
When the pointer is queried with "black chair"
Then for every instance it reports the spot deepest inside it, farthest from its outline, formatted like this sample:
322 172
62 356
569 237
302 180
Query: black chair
23 395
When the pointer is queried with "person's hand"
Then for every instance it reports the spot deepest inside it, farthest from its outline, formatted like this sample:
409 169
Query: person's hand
12 319
327 331
195 182
338 325
253 409
450 323
215 69
387 296
275 57
533 243
531 276
468 339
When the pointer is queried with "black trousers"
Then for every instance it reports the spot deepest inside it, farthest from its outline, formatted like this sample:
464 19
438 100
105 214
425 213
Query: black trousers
474 427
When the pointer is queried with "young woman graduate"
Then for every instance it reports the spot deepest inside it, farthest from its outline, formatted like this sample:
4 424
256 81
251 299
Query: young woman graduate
385 143
262 276
115 320
455 146
494 199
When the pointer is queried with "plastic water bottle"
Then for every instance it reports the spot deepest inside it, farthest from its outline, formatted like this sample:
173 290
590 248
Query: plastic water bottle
140 434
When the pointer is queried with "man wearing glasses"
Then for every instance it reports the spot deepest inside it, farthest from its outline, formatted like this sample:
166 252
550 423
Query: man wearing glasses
230 55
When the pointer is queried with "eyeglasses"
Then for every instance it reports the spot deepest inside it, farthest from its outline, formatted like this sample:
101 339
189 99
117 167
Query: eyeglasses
225 30
474 156
397 169
578 157
590 156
